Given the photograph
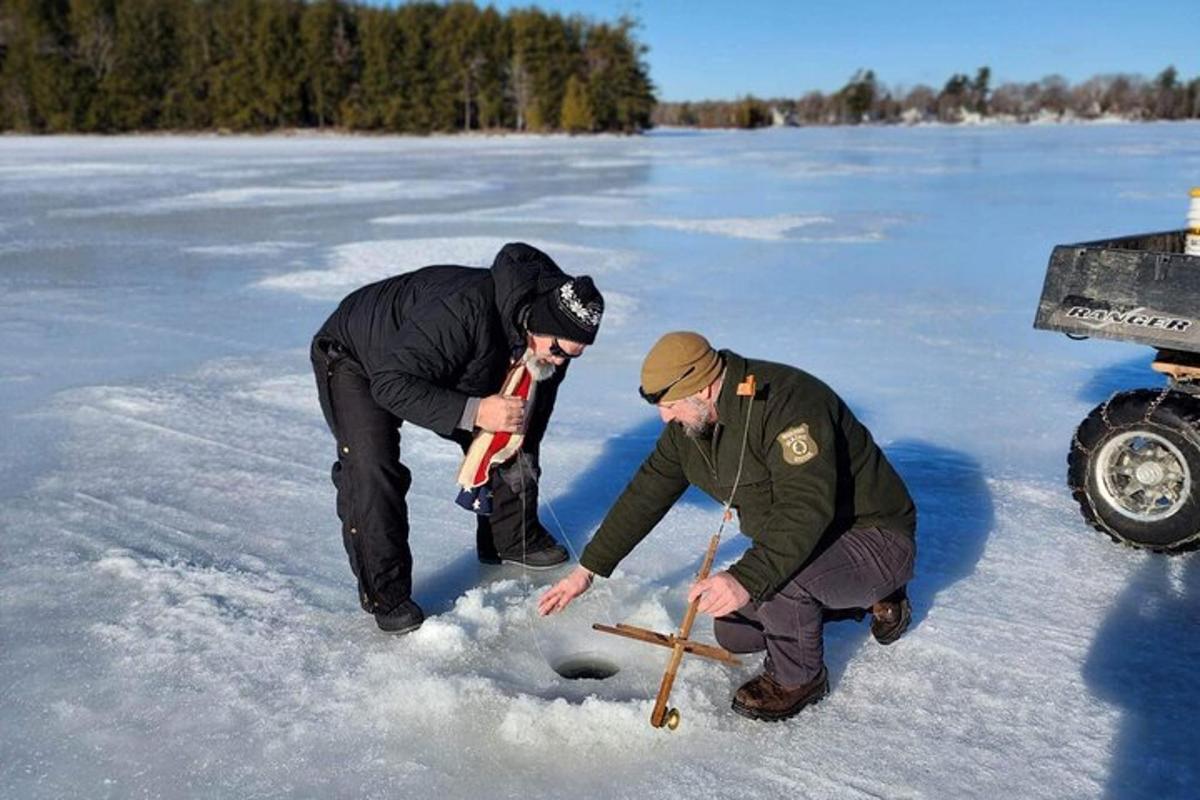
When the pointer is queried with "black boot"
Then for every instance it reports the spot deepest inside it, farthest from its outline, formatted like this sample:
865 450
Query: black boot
539 552
546 556
404 618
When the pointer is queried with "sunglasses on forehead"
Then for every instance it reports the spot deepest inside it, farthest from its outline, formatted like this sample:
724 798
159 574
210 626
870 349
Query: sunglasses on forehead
653 398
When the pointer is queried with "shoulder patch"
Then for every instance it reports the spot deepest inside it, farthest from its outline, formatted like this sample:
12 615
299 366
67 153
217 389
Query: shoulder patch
798 445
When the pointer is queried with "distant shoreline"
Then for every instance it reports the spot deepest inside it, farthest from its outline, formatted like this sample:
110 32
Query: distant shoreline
332 133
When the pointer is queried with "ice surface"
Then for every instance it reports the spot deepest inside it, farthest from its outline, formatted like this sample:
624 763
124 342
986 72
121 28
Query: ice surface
623 211
177 617
352 265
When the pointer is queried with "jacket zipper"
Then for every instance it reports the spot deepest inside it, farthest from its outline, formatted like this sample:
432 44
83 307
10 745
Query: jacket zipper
704 455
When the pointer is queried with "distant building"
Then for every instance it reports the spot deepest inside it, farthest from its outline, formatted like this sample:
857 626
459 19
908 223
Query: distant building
783 117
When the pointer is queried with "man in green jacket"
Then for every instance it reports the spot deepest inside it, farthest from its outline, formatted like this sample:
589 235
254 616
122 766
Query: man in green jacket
831 523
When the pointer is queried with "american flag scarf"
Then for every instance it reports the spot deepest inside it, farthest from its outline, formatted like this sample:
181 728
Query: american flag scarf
493 448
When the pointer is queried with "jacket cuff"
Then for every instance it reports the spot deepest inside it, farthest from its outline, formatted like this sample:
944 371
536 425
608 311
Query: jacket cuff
585 561
467 421
759 586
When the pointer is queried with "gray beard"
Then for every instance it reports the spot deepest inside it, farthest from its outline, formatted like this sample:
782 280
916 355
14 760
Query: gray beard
701 428
539 370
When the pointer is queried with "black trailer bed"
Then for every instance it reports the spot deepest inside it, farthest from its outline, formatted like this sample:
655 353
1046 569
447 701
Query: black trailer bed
1141 289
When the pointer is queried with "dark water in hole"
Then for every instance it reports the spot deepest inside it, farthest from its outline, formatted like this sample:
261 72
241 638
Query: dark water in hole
591 668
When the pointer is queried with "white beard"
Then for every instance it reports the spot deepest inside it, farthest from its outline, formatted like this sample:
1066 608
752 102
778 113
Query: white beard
538 368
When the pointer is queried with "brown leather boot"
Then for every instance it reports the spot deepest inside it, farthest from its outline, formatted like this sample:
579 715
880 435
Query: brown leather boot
763 698
890 617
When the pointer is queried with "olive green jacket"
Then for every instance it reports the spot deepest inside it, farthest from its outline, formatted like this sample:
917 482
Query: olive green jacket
811 472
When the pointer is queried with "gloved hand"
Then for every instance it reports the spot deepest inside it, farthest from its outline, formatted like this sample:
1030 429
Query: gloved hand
560 595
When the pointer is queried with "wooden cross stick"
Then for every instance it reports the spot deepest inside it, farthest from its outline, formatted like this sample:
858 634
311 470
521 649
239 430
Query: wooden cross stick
678 643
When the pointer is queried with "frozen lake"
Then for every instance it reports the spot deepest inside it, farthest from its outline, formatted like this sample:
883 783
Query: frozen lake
177 617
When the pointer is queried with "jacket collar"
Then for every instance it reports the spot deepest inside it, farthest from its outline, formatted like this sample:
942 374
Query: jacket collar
730 408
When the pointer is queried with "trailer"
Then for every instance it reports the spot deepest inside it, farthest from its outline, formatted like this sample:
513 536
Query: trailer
1134 463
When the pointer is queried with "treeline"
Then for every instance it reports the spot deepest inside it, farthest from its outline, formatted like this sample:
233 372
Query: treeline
253 65
963 98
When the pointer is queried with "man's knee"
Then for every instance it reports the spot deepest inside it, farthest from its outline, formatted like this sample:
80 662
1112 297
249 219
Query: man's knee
784 614
370 469
738 634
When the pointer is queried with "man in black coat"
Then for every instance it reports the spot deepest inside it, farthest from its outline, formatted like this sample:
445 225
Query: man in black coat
432 347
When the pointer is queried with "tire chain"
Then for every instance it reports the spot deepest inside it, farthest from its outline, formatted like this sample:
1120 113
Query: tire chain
1080 492
1155 403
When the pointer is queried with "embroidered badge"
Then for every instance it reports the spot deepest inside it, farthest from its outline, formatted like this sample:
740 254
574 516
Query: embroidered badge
798 445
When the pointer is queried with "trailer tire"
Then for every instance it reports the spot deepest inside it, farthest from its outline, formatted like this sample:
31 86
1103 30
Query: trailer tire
1134 468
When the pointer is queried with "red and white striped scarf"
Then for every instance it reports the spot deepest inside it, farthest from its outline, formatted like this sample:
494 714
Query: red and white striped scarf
493 448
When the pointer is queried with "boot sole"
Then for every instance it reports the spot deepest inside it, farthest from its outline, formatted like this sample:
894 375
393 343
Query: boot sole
399 631
515 562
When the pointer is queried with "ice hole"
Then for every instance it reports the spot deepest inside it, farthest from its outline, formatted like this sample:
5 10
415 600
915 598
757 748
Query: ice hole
585 667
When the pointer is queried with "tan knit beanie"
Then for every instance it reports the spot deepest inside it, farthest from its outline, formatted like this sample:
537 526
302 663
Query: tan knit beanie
680 364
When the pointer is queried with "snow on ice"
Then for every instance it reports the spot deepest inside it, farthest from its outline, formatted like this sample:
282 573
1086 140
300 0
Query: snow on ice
176 611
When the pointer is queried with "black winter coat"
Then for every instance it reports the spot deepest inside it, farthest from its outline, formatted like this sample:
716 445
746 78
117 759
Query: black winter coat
429 339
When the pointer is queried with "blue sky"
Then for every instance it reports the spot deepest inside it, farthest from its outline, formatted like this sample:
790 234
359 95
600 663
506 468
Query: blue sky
707 49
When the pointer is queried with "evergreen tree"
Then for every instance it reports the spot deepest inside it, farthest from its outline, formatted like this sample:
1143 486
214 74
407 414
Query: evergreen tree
619 87
577 114
524 31
330 47
491 106
188 102
377 101
953 98
1169 95
39 82
461 55
858 97
750 112
112 65
234 67
417 22
280 98
979 90
94 51
144 58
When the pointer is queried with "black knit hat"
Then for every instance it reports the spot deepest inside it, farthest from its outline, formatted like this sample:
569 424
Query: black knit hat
572 311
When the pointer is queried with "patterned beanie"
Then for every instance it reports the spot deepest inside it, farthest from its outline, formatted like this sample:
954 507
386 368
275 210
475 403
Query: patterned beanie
572 311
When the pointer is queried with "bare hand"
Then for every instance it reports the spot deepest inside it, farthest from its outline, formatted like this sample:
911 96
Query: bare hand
500 413
719 594
560 595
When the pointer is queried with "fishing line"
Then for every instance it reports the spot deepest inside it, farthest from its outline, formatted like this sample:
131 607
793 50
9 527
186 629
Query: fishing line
562 533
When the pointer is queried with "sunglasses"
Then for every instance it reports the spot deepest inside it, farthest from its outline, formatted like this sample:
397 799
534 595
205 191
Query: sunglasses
557 351
653 398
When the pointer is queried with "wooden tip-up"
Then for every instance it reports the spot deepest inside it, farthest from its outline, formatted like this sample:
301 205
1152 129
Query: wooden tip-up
669 641
677 643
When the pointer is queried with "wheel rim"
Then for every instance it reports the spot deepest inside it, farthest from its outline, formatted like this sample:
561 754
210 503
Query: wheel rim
1143 476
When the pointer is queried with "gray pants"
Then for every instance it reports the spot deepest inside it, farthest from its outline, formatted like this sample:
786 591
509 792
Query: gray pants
863 566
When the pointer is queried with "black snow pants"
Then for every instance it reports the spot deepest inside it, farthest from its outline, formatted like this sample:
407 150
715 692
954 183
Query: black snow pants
372 483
